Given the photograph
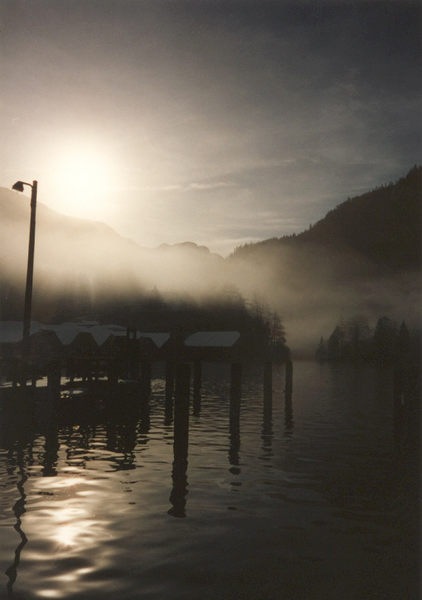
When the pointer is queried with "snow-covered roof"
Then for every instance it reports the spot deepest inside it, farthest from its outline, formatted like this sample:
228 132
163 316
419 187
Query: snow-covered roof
11 332
66 332
212 339
159 339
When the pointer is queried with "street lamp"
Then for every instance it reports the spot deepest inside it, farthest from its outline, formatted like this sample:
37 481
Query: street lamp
19 186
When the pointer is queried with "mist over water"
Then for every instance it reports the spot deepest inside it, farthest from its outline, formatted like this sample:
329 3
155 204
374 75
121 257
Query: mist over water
310 286
313 290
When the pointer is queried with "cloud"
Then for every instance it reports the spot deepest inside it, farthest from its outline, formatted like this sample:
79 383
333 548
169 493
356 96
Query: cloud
206 186
195 186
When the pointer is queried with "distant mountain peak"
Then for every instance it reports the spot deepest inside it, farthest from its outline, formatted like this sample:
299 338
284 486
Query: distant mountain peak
189 247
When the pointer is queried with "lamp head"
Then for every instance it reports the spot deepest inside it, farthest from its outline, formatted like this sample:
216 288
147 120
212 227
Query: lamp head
18 186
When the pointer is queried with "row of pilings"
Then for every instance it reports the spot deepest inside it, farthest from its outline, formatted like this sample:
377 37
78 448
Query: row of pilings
180 376
129 401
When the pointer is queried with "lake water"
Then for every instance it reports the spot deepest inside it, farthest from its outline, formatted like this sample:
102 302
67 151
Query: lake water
304 502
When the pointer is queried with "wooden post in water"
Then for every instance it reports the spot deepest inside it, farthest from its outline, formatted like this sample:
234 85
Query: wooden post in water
70 370
398 403
288 415
34 377
289 378
181 441
235 397
170 374
181 409
197 381
51 449
132 353
113 372
268 390
14 372
146 372
53 381
144 415
235 380
96 369
267 432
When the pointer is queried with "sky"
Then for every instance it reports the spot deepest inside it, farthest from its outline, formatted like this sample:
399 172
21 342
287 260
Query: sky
218 122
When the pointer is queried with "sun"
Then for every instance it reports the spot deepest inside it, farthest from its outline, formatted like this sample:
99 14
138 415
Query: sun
82 180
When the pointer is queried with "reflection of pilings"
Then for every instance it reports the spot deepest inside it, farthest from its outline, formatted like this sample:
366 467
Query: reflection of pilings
181 440
19 510
235 397
288 414
121 439
197 381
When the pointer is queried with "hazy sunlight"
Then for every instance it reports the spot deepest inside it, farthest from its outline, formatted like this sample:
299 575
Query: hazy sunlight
82 178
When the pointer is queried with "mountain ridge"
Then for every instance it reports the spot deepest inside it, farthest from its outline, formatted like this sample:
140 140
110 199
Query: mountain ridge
383 225
354 224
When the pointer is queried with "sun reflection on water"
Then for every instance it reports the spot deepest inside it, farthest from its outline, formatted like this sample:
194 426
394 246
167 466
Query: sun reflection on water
49 593
68 534
64 524
58 482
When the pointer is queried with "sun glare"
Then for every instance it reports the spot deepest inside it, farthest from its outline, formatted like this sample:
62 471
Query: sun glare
82 180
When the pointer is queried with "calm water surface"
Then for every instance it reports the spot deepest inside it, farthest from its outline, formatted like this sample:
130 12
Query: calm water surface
302 502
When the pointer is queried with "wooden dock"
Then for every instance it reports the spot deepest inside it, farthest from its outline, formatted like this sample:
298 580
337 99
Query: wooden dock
126 357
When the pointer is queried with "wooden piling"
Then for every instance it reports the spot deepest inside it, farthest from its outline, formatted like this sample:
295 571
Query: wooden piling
235 380
146 373
132 353
234 418
169 392
288 406
197 382
398 404
289 378
34 378
268 390
170 373
181 441
181 410
51 449
53 381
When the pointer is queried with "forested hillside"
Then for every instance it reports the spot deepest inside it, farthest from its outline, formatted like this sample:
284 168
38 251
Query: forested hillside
383 225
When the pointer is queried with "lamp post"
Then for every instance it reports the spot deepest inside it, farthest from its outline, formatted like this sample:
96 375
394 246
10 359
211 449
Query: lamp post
19 187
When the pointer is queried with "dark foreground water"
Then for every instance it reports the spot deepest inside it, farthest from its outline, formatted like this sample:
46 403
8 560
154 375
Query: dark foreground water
312 502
